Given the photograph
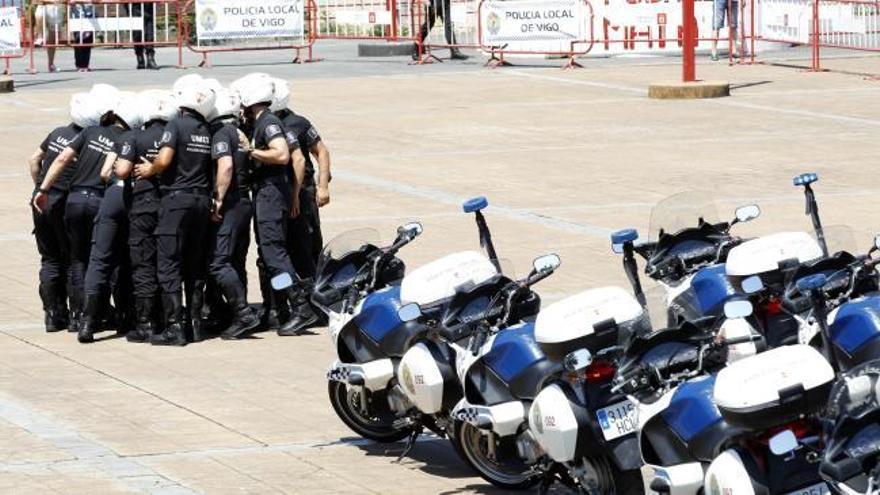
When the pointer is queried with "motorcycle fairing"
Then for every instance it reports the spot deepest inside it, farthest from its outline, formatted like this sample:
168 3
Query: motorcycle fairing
856 326
712 288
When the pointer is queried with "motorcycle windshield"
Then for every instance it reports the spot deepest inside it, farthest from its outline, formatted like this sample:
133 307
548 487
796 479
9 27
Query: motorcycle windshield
681 211
474 301
345 243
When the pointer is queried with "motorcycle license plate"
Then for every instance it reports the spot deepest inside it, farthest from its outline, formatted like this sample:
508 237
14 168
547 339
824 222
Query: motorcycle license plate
817 489
618 420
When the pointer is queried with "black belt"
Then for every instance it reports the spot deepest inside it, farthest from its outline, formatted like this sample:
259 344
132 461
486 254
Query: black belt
199 191
95 191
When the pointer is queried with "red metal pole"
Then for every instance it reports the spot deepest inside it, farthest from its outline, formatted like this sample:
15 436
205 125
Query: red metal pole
815 35
688 63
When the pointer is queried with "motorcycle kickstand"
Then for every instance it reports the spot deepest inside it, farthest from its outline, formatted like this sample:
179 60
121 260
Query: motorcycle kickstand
411 442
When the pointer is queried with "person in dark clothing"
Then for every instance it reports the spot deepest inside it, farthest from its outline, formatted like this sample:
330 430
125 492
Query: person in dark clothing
49 230
158 109
270 157
82 54
448 29
109 260
91 149
148 35
232 213
305 240
185 165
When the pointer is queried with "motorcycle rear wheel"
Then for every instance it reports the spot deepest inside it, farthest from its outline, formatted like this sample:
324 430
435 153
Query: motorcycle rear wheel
377 426
470 444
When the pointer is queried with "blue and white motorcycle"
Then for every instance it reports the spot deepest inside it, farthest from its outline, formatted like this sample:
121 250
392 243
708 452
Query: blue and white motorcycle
370 337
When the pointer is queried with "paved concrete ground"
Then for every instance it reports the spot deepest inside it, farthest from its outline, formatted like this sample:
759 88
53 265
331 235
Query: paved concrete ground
565 158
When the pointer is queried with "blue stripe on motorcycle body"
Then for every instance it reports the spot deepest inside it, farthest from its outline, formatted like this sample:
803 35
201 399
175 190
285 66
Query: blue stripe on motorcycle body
856 324
513 351
378 315
692 409
712 288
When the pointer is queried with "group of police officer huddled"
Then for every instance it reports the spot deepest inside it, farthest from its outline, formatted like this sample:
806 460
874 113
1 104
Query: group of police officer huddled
149 197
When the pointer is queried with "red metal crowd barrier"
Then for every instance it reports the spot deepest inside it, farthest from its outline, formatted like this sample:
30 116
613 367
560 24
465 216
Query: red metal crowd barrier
305 42
110 23
9 54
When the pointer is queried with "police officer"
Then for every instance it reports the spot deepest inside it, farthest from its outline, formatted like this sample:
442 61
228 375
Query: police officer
109 254
184 162
49 226
270 157
232 213
148 35
158 108
304 239
90 149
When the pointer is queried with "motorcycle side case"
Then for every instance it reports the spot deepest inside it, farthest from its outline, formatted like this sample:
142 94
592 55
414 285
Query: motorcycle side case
441 278
428 378
514 368
588 320
376 331
855 331
773 387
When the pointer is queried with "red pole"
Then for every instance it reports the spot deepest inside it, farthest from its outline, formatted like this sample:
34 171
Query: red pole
688 63
815 35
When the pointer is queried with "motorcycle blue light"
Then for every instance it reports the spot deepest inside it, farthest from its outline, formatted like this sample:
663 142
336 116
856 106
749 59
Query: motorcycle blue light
475 204
804 179
811 283
623 236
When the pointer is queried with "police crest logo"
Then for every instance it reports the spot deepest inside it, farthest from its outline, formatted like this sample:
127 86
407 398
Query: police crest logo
126 148
493 23
208 19
408 381
313 133
273 130
221 147
166 137
537 419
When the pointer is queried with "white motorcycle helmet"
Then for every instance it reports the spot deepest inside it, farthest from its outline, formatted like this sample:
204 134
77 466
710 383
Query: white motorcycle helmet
281 98
157 104
105 98
129 110
198 97
255 88
83 112
183 82
228 104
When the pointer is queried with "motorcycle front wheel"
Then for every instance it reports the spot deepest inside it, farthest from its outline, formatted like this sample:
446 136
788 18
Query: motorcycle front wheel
507 472
366 414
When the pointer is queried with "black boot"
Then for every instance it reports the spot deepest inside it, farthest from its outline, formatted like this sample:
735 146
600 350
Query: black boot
92 319
302 316
143 330
455 54
245 318
195 306
140 58
55 315
151 61
172 305
76 311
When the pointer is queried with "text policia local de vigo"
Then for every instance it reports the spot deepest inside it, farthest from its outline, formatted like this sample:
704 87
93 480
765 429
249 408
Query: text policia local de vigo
537 16
255 12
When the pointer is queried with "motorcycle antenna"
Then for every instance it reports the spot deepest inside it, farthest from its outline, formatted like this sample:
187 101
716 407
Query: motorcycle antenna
812 286
622 242
812 207
476 206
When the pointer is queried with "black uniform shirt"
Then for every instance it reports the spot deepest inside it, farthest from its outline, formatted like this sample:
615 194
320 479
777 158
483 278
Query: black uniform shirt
299 128
92 146
147 146
126 150
224 142
267 128
190 136
52 146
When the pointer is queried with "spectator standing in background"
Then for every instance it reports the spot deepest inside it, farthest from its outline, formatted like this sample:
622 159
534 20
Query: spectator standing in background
445 14
719 14
82 54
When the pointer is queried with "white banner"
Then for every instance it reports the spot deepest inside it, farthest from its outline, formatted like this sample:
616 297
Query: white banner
10 30
235 19
511 21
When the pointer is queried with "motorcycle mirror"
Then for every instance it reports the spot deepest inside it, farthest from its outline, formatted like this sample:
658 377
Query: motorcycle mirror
414 229
876 244
546 263
282 281
621 237
409 312
783 442
737 309
752 285
747 213
577 360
